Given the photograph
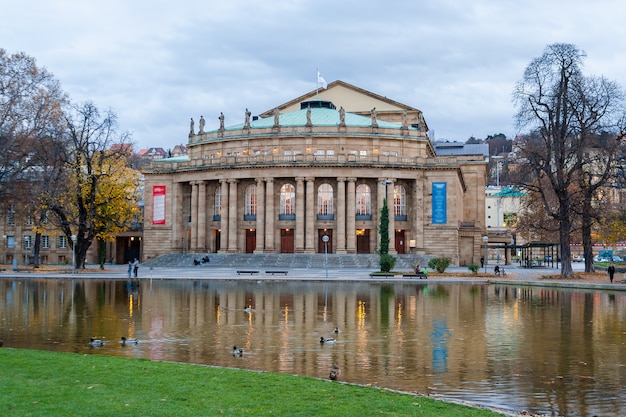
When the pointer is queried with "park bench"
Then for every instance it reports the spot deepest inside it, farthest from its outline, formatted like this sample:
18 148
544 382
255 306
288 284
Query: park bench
247 272
274 272
419 275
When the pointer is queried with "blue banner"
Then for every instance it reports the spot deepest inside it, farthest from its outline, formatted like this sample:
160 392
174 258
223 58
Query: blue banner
439 203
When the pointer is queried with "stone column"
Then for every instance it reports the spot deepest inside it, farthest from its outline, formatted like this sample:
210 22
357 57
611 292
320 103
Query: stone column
270 215
418 213
194 216
380 195
260 216
176 214
341 216
351 216
310 216
201 216
299 215
392 217
224 216
232 216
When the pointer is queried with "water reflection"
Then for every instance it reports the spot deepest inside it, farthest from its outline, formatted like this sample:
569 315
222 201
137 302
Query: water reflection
543 350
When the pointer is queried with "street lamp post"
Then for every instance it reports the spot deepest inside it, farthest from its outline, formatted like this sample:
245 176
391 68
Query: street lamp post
73 253
15 253
4 239
485 241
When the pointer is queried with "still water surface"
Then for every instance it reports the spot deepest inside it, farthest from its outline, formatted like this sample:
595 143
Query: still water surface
556 352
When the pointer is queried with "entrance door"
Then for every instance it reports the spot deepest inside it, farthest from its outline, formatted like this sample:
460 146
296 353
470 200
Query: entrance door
250 240
320 241
363 241
218 240
400 242
287 241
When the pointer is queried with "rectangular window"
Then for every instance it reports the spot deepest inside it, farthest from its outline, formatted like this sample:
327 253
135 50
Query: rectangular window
62 242
11 216
27 241
45 242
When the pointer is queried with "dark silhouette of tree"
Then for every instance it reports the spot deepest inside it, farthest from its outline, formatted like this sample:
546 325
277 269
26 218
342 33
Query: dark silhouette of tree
562 110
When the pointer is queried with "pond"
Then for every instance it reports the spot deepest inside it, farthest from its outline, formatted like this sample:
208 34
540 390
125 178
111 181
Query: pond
548 351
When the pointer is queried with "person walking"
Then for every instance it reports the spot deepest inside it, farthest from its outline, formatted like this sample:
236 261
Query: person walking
611 272
130 268
135 267
482 261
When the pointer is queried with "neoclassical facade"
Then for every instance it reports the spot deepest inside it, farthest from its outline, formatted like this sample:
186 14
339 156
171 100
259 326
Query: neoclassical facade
311 176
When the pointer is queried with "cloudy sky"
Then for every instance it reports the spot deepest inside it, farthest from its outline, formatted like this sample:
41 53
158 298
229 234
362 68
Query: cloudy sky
157 63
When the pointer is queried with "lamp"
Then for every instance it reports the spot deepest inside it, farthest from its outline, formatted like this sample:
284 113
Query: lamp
485 241
73 253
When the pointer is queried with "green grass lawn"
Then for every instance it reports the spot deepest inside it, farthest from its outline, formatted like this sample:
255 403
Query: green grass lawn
39 383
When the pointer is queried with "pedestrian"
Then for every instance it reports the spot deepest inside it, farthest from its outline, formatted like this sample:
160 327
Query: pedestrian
135 267
482 261
611 271
130 268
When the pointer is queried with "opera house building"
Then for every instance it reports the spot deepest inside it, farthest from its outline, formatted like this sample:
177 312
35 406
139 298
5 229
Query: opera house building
310 176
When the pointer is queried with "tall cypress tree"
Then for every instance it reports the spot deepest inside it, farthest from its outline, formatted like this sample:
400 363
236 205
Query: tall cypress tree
384 229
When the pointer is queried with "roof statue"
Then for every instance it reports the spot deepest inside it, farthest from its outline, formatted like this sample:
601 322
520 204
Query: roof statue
246 124
191 132
201 131
308 117
374 121
342 116
221 121
276 117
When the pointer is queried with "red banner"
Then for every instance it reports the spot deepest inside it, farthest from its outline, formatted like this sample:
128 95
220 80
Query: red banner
158 204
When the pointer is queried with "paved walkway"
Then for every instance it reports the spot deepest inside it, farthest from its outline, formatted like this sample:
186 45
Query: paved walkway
515 274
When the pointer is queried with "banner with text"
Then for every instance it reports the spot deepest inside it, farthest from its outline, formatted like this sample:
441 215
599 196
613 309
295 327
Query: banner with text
439 203
158 204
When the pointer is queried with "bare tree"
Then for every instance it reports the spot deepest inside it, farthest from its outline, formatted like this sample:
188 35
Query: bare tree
30 103
76 203
563 109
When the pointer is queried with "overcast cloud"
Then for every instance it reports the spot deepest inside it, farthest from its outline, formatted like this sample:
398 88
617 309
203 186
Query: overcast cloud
157 63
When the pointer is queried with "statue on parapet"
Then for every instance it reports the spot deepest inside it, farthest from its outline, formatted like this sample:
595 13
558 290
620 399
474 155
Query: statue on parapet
202 122
191 131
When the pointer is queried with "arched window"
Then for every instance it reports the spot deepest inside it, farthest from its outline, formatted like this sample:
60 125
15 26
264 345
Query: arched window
363 202
250 209
325 202
287 202
217 204
399 202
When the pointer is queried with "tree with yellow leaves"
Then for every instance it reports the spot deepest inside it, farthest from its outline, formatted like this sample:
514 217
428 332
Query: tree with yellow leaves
96 194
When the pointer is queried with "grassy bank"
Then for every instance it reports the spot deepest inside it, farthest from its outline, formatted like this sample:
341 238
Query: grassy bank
37 383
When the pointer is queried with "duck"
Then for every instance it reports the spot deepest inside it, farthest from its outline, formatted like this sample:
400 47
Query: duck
334 372
248 310
237 351
96 342
131 341
337 331
327 341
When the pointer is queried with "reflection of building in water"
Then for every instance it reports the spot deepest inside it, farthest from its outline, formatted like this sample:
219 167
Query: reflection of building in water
399 336
280 183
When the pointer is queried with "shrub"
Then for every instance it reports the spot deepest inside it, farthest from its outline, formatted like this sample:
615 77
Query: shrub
387 262
439 264
474 268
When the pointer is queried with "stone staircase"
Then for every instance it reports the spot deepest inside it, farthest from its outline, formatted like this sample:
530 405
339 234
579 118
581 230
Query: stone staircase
281 261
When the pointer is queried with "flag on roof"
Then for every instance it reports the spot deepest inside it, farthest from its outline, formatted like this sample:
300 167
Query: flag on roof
320 80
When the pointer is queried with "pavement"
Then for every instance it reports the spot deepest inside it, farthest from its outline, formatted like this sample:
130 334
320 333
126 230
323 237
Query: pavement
514 275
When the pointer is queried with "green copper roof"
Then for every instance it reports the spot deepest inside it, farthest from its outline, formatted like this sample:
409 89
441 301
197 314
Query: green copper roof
509 192
319 117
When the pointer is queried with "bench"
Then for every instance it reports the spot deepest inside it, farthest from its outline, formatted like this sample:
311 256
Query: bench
276 272
247 272
418 275
382 275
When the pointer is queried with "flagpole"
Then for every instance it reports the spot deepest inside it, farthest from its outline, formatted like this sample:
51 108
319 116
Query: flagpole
317 82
